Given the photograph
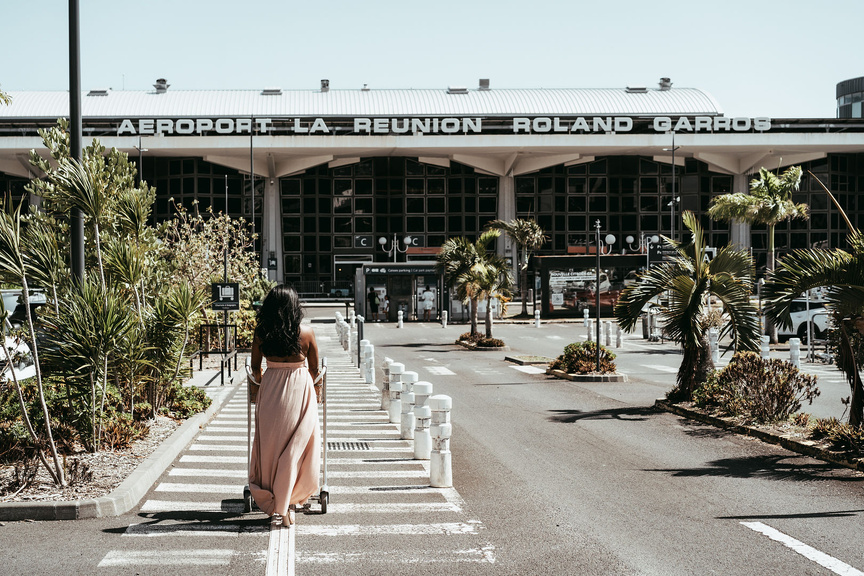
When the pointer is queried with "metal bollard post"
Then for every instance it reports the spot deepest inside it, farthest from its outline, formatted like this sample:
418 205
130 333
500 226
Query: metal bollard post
590 326
395 410
440 429
585 316
399 319
536 318
369 360
422 438
407 428
766 348
714 345
619 337
795 352
396 370
607 333
443 318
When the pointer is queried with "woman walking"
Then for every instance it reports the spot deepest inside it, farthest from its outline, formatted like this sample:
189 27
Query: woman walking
286 451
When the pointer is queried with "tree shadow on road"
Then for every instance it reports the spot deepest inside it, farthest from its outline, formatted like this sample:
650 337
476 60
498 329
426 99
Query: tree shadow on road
631 413
836 514
770 467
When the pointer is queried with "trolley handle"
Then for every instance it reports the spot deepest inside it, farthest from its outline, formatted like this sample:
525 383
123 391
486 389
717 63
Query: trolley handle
322 379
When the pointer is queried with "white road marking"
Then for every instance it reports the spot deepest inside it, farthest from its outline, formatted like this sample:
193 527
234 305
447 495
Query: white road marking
208 472
199 488
235 428
177 506
378 474
529 369
213 459
167 558
440 370
481 554
394 490
372 459
198 529
824 560
433 529
217 448
208 438
391 508
661 368
280 551
554 337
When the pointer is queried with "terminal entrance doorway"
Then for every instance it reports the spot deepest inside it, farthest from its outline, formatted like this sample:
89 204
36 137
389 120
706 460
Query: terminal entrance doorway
405 285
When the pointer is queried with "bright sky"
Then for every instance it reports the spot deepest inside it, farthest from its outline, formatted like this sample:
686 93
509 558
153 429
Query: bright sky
776 58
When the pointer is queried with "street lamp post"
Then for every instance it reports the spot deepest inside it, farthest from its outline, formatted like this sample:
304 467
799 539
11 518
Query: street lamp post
645 242
610 239
394 247
141 161
674 198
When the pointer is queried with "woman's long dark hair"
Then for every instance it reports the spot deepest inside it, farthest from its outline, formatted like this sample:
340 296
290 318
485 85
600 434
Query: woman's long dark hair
279 320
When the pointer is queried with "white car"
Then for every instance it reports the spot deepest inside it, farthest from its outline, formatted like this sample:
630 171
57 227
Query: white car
818 318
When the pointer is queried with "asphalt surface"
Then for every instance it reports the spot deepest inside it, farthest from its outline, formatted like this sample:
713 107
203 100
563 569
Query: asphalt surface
549 476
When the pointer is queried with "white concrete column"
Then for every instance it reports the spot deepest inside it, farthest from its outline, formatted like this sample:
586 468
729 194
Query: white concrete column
739 232
507 212
399 316
607 333
408 378
585 316
407 424
619 336
440 459
443 318
271 224
396 370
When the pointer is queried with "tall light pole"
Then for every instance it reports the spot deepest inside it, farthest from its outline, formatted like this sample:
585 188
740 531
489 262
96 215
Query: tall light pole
76 217
674 198
610 239
140 160
394 249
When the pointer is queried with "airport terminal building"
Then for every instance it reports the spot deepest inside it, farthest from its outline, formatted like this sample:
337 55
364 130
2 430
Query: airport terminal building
333 177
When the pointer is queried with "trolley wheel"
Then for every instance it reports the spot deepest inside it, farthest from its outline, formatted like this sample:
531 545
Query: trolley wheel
247 500
324 498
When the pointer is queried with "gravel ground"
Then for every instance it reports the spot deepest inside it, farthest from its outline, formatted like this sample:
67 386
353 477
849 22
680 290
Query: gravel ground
102 471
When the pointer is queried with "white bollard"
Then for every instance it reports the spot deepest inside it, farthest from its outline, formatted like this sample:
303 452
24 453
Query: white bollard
536 318
440 429
714 345
795 352
363 344
443 318
407 427
408 379
585 316
422 392
590 330
396 370
607 333
422 438
619 337
399 319
351 317
385 383
766 348
369 360
394 412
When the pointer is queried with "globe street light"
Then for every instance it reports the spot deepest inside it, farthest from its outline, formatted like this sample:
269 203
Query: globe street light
394 246
645 242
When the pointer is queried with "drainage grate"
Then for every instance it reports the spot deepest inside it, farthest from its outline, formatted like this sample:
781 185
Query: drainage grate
347 446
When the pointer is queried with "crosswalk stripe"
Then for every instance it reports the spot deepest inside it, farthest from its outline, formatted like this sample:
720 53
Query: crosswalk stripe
167 558
208 438
379 474
392 508
430 529
199 488
213 459
530 369
181 506
218 447
209 473
484 554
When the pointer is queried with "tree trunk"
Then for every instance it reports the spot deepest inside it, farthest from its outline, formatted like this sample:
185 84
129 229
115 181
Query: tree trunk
489 317
523 281
847 363
473 316
771 327
695 368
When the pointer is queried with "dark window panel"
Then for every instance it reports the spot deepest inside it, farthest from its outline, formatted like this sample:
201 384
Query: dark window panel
436 186
342 224
291 243
290 206
363 224
363 205
415 225
290 187
342 242
488 204
415 206
363 187
436 205
435 224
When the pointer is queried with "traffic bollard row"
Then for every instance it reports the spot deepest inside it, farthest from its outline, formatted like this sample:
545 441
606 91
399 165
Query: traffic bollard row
385 383
407 420
394 404
369 362
590 329
443 318
765 347
536 318
795 352
361 364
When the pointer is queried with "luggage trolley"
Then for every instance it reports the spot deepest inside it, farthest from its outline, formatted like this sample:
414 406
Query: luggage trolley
323 496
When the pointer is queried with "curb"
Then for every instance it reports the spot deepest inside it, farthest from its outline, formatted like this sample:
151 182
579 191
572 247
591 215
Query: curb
127 495
587 377
801 447
476 348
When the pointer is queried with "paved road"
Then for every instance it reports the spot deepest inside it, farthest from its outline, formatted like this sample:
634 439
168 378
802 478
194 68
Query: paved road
549 476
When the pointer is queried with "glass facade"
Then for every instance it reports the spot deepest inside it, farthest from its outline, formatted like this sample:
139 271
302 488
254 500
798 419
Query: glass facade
850 95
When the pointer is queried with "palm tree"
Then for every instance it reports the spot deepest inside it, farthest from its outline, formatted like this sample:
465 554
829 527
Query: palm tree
528 236
461 263
487 280
769 203
691 281
842 272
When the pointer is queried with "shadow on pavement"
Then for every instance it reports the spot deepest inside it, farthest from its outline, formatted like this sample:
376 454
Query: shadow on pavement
770 467
634 413
838 514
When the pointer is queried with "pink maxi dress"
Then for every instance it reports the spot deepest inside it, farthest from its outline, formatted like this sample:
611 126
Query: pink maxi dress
286 451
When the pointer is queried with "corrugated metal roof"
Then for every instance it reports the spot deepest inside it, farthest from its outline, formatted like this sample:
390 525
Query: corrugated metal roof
366 103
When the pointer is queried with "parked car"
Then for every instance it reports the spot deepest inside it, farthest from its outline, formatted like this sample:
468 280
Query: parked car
818 318
16 310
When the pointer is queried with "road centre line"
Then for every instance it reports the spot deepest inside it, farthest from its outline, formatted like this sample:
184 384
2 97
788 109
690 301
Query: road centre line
824 560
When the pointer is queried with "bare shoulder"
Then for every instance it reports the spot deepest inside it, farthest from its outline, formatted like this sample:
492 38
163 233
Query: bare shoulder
307 332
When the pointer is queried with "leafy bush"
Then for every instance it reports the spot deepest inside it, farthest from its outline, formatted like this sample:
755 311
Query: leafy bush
581 358
765 390
841 436
121 431
184 401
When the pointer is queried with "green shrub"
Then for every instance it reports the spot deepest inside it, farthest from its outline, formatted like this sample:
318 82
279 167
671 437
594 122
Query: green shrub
184 401
121 431
581 358
841 436
764 390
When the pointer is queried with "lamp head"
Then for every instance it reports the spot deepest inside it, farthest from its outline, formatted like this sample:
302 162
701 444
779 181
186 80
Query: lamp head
382 240
655 239
629 239
407 240
610 239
